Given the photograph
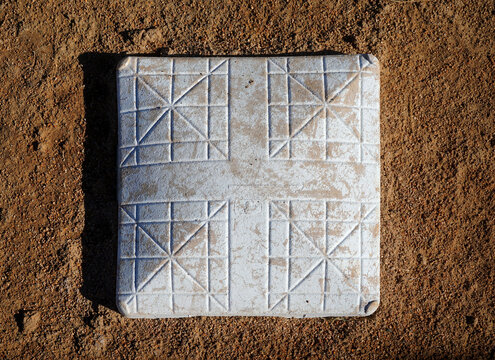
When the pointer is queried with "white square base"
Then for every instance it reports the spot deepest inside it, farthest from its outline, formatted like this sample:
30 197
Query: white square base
249 186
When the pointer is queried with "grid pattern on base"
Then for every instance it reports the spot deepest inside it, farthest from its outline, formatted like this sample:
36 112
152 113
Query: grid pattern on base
178 255
249 186
177 114
317 251
316 109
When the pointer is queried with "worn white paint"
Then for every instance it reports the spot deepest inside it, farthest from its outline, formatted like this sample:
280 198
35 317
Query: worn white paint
249 186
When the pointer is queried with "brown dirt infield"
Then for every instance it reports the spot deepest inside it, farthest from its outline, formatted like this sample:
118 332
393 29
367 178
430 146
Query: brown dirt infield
57 174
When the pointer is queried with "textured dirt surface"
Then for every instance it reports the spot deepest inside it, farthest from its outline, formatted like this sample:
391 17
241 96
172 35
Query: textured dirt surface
57 175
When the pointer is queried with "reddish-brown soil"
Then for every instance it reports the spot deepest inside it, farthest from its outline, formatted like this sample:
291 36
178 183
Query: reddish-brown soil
57 174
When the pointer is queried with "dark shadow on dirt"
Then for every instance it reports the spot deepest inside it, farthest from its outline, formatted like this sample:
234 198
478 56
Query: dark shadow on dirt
99 238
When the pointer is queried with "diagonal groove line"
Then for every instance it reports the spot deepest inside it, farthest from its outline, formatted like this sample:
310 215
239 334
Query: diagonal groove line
132 297
142 109
152 126
279 149
277 65
280 210
360 59
217 66
128 155
218 302
347 84
152 89
299 229
174 261
127 212
198 229
343 275
278 302
217 210
369 213
343 239
220 151
151 238
147 281
198 82
190 237
366 148
296 80
306 123
338 93
190 124
197 283
297 284
306 275
199 131
126 221
358 136
317 112
307 237
304 86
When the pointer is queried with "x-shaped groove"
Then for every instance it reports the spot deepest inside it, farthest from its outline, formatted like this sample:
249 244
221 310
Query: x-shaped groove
170 259
325 255
324 105
170 107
